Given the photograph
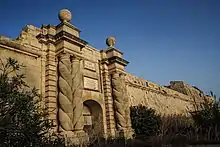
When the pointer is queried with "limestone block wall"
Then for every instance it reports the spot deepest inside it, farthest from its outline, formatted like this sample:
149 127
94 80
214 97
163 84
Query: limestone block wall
186 89
164 100
30 59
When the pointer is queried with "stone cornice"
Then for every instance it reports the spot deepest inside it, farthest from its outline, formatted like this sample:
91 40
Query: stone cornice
70 38
69 25
104 61
12 45
72 53
48 26
113 49
46 38
118 60
157 91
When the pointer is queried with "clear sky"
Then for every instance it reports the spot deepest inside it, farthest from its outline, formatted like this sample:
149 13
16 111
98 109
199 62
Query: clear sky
163 40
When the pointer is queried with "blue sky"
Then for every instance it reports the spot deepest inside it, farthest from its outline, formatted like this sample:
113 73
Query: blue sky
163 40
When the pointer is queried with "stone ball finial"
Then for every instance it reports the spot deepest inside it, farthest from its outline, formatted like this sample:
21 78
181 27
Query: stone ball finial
65 15
110 41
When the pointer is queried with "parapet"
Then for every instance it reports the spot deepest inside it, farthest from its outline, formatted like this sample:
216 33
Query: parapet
186 89
177 89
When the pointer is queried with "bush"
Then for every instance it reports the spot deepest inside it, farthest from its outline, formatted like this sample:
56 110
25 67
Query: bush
176 124
119 142
22 121
207 114
207 117
145 121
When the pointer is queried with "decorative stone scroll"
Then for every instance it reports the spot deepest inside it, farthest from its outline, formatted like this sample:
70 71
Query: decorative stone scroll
77 89
65 113
70 94
89 65
121 104
90 83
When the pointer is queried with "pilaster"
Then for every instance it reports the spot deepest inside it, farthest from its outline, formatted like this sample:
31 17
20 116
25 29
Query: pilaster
116 94
46 37
110 120
68 50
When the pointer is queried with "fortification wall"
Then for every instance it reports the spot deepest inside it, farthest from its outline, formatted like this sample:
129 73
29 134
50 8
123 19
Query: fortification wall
73 76
25 56
163 100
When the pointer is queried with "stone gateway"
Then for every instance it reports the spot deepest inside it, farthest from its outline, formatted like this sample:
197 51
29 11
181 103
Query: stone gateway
84 88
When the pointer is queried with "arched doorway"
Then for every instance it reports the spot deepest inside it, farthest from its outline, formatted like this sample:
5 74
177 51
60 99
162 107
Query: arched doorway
93 118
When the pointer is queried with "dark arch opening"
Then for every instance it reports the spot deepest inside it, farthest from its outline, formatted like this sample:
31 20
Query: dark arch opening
93 118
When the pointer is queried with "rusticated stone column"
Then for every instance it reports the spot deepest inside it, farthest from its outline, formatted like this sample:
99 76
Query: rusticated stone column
77 89
121 104
65 97
110 120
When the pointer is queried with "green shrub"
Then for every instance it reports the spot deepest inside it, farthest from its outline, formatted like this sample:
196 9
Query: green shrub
119 142
145 121
207 117
176 124
22 121
207 114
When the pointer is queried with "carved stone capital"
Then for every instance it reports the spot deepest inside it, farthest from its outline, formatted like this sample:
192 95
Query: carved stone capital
115 75
118 74
76 58
64 56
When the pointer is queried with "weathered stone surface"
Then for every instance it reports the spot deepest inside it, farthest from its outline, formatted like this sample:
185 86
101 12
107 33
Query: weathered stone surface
89 65
65 94
77 89
118 101
164 100
70 94
90 83
121 103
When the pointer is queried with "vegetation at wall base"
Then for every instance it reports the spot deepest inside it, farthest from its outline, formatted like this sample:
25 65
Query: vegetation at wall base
207 118
202 126
22 120
145 121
